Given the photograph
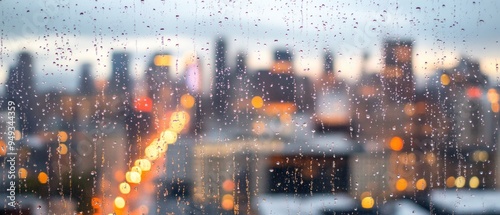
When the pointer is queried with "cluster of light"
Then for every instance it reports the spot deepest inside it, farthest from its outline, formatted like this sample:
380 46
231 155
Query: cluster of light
178 120
62 137
460 182
227 202
133 177
144 164
480 156
153 151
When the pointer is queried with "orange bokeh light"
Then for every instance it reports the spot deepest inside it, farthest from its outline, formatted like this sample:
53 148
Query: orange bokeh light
396 143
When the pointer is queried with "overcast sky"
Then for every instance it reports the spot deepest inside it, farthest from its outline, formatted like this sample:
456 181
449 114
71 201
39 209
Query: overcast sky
63 34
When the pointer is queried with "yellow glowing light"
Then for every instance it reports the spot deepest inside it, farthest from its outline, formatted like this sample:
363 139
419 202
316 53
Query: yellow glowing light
136 169
367 202
480 156
187 101
63 149
17 135
450 182
169 136
460 182
227 202
62 136
401 184
43 177
3 148
144 164
133 177
445 79
257 102
421 184
159 145
152 152
119 202
396 143
474 182
163 60
124 188
178 120
23 173
228 185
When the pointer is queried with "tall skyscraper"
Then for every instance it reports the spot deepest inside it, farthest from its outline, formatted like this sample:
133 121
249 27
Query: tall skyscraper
221 85
398 81
120 82
20 89
86 86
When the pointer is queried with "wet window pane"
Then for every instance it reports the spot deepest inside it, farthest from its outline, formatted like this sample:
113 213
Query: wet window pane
259 107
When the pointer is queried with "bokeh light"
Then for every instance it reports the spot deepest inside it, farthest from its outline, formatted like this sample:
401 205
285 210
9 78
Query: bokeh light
43 177
367 202
401 184
460 182
474 182
124 188
119 202
257 102
421 184
396 143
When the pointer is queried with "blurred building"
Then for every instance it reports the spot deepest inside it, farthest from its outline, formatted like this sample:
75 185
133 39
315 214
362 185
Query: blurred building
20 88
397 73
220 86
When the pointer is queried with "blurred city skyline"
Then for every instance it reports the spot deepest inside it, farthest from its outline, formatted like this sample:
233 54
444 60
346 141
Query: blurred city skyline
63 36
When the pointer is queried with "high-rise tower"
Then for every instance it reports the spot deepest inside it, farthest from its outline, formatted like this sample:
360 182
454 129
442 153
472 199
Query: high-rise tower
398 81
20 89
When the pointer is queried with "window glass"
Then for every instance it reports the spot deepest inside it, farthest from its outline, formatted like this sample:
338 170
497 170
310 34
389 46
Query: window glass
249 107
